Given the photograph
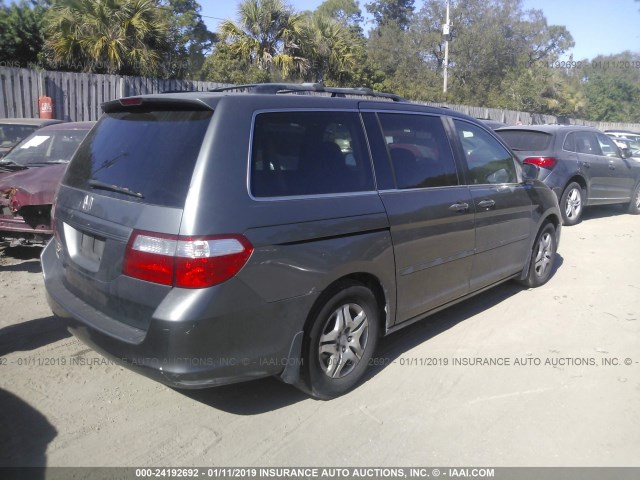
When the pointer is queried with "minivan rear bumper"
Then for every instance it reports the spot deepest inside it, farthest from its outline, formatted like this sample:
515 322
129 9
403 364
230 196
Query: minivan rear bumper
220 349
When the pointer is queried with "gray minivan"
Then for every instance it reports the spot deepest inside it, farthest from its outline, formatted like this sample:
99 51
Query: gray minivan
209 238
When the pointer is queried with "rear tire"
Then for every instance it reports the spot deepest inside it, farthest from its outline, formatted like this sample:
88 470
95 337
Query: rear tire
572 204
340 342
542 257
634 204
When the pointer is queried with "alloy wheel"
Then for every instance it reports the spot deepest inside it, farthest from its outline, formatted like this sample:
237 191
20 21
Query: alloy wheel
573 204
343 340
544 254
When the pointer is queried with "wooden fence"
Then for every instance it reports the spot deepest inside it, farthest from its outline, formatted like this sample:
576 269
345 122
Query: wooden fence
78 96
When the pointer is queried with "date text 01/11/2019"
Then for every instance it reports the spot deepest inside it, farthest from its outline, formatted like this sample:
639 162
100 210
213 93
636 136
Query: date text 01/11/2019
595 64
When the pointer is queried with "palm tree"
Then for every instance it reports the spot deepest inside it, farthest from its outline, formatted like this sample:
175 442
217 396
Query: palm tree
115 36
329 46
266 35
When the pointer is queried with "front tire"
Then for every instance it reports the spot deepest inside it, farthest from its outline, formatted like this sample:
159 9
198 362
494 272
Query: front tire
572 204
341 341
634 204
542 257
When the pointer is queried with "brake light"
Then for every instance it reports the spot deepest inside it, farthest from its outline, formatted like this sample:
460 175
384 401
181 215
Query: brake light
186 262
131 101
542 162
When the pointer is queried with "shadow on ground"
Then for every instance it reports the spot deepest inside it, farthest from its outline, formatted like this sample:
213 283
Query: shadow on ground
603 211
30 335
24 435
30 257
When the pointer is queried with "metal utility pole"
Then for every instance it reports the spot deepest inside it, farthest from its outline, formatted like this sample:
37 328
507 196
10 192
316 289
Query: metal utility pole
447 36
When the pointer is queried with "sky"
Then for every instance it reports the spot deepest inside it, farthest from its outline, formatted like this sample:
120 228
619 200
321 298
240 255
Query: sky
598 27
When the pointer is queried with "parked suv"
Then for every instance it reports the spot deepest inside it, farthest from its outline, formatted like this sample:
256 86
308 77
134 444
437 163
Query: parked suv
582 165
209 238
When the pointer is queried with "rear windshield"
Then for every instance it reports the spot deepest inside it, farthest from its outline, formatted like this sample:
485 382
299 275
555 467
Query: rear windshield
525 140
46 146
12 134
144 155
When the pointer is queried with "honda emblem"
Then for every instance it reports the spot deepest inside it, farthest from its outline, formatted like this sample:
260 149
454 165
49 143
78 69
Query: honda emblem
87 203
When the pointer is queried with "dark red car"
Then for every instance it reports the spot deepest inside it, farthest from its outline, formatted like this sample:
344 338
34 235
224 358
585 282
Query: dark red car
29 178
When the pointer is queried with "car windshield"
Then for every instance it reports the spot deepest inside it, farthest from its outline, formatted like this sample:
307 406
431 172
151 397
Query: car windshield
46 147
525 140
11 134
633 145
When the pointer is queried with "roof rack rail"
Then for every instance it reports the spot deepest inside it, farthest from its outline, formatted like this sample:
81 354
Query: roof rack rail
276 88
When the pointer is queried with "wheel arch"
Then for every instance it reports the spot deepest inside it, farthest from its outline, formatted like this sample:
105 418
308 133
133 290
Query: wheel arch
580 180
368 280
299 345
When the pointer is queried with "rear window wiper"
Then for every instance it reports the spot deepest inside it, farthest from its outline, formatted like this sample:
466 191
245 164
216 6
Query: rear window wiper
114 188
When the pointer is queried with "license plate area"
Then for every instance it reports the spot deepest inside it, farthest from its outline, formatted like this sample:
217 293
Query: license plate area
86 250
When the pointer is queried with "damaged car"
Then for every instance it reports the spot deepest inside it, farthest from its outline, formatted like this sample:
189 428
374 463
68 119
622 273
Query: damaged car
29 177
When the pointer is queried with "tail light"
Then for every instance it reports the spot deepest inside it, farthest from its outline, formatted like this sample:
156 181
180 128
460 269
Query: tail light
542 162
186 262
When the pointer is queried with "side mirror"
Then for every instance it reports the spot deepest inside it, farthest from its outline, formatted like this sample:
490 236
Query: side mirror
626 152
530 172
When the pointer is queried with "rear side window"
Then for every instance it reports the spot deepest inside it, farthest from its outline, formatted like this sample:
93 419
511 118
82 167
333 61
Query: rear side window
148 155
570 143
526 140
488 161
419 150
309 153
586 142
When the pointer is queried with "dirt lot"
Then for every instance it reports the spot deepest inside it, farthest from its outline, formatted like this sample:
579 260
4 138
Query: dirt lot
61 404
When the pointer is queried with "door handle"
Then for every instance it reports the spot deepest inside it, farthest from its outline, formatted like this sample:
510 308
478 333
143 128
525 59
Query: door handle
586 164
612 166
459 207
486 203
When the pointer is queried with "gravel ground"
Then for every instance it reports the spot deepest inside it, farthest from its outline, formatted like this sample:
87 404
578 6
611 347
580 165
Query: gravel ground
562 395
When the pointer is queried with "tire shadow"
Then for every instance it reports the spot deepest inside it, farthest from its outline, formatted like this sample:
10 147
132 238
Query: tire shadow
602 211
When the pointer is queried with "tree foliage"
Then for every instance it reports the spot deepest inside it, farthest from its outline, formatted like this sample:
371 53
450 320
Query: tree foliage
329 47
500 54
397 12
265 36
226 66
311 46
21 35
106 36
346 12
189 39
612 87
